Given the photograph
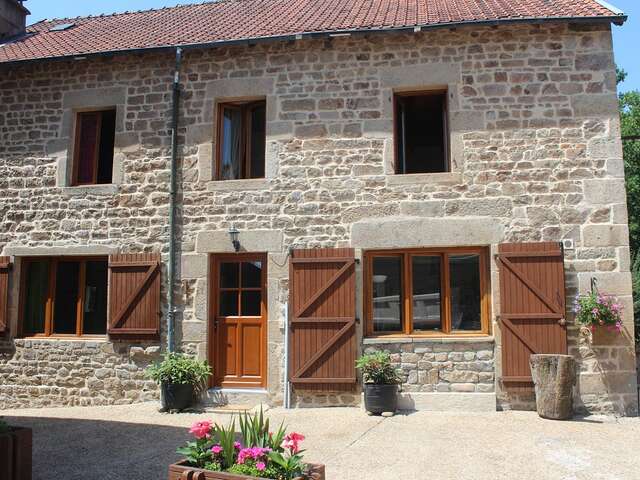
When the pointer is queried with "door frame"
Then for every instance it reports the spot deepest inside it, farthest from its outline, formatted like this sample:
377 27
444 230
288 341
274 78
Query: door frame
215 381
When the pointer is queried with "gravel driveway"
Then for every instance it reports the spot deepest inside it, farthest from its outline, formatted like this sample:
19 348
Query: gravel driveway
137 442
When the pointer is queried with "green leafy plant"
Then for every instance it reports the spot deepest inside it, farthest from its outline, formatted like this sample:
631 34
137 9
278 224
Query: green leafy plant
256 433
290 466
377 368
177 368
226 438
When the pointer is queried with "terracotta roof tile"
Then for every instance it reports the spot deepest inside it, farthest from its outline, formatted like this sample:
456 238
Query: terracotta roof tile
229 20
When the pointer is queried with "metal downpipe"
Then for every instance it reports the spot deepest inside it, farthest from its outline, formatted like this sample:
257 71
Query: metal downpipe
173 192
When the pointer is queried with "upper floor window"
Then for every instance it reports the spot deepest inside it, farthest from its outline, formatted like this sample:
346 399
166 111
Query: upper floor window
241 140
93 153
427 291
64 296
422 138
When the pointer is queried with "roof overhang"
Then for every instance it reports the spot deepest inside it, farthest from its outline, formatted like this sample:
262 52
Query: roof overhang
617 19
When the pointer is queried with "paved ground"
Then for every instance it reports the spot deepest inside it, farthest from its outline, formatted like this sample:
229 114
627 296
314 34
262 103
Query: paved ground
137 442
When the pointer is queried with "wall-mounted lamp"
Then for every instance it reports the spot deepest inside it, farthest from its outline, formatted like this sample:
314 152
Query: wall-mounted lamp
234 234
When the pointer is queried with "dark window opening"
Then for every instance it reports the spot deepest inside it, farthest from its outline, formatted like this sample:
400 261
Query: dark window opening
95 135
65 296
422 136
242 140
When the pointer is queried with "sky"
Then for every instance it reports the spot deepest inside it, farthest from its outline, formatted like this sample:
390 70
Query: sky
626 38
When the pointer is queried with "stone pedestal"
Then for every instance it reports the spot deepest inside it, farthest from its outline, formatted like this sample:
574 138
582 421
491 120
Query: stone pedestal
554 377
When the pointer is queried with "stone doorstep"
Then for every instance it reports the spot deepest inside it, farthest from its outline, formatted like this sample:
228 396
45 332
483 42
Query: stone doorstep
446 402
237 400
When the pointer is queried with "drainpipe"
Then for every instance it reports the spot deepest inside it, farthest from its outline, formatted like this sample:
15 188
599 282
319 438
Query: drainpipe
173 191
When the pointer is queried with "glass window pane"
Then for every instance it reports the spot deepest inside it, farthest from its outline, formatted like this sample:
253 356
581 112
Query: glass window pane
95 299
464 271
230 275
37 284
251 304
426 293
231 141
386 288
66 299
229 304
251 274
258 140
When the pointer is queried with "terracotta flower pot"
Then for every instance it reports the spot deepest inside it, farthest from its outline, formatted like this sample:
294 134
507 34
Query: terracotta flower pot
181 471
15 454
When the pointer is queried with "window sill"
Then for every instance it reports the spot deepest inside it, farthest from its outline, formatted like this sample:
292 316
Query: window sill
105 189
444 178
238 185
70 338
385 340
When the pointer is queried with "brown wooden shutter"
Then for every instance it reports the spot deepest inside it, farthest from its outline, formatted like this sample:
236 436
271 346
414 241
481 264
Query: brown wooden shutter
5 265
532 306
134 294
322 319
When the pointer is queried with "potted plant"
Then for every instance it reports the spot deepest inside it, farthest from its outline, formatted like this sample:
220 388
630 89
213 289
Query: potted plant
598 313
218 452
180 377
380 383
15 452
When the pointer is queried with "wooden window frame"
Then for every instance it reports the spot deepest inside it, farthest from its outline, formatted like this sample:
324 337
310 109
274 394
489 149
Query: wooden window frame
76 144
445 126
406 291
51 292
245 106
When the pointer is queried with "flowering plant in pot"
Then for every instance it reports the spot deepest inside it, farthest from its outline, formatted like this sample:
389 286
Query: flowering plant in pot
380 382
218 452
180 377
598 311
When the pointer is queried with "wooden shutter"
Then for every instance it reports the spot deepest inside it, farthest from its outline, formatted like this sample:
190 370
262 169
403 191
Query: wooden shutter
322 319
134 294
532 306
5 264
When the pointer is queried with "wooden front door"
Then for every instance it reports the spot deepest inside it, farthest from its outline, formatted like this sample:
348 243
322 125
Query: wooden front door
239 320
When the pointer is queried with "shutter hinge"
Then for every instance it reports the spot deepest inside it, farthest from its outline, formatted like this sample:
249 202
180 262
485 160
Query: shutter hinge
358 320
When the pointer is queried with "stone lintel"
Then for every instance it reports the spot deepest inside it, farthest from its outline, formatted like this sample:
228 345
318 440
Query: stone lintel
250 241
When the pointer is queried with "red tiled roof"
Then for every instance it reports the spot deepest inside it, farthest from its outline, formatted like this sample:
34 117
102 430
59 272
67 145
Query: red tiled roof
233 20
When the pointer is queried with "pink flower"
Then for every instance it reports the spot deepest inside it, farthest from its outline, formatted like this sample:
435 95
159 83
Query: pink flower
292 442
201 430
618 327
254 453
216 449
237 445
261 466
594 311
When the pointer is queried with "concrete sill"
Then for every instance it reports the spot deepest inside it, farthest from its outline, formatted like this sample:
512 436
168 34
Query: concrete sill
432 340
81 191
445 178
54 339
238 185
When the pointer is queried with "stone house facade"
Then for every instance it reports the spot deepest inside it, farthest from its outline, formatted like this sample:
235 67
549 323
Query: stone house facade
534 155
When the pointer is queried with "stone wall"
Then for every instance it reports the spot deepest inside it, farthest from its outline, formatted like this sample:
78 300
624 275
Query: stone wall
535 154
431 365
41 373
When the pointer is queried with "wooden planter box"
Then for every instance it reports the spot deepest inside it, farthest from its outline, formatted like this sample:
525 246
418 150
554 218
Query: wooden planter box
15 454
180 471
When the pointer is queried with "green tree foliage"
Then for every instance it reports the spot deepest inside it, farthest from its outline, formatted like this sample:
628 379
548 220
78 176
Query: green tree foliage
630 127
